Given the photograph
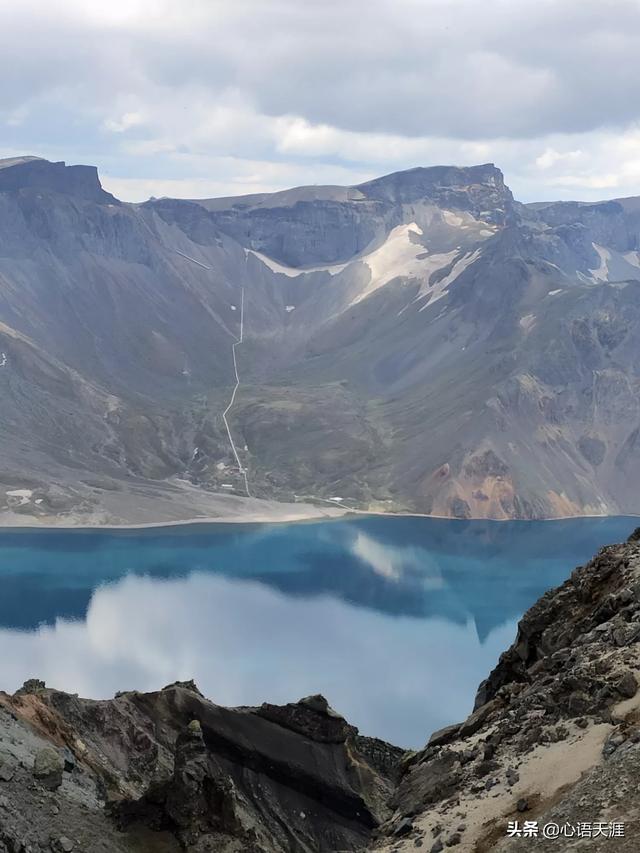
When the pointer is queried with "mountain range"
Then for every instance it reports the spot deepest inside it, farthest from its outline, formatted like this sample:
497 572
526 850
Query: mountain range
420 343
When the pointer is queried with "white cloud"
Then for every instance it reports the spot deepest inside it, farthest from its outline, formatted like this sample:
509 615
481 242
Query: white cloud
608 181
169 94
125 122
551 157
294 152
229 176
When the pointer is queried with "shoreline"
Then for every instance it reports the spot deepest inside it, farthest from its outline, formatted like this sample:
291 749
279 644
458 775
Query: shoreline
341 514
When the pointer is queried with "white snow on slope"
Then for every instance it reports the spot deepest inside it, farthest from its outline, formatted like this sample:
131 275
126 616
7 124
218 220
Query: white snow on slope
632 258
293 272
25 495
439 289
528 322
601 273
397 256
452 218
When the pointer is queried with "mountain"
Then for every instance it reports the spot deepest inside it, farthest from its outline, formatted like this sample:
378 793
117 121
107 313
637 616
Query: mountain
554 739
420 342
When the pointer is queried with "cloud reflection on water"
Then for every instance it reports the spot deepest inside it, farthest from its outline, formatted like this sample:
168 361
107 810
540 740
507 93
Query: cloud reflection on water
396 620
395 677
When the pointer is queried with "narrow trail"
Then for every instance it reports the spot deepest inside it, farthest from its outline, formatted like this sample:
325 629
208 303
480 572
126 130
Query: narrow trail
235 344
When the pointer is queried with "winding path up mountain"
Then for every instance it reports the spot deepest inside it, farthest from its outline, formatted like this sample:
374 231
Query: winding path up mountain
237 343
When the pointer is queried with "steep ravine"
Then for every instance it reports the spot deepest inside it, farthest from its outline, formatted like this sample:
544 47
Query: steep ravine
554 738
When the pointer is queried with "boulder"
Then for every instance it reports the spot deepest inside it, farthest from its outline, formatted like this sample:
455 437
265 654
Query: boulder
444 736
48 767
627 685
7 770
62 845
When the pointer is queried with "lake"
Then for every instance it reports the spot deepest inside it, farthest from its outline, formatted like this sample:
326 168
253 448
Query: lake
395 620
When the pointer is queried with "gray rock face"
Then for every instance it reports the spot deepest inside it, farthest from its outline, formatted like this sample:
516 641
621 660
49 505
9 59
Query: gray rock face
418 342
301 229
34 173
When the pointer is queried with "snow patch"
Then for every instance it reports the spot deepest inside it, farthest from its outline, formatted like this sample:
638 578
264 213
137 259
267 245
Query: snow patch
289 308
452 218
3 359
528 322
293 272
397 257
24 495
554 292
632 258
439 289
601 273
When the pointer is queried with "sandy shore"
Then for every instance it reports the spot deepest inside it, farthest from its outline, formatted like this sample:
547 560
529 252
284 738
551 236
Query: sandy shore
283 514
145 504
286 515
178 503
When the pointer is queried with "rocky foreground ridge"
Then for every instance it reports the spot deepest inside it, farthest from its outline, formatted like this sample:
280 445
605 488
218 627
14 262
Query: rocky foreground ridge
554 738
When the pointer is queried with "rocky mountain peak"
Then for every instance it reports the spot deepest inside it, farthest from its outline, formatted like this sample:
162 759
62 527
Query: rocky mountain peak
326 225
436 183
479 190
32 173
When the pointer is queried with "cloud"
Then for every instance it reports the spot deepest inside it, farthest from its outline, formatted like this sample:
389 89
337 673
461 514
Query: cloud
394 563
229 176
158 91
551 157
126 121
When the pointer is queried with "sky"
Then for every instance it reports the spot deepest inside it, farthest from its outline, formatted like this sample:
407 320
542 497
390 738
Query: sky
201 98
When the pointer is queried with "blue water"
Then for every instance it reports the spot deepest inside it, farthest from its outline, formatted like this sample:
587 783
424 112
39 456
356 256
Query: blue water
395 620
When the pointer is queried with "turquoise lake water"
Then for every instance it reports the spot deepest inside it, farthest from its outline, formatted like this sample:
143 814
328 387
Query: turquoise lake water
395 620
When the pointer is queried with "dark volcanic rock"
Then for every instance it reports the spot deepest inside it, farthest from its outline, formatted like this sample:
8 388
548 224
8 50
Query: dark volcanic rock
174 764
311 717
